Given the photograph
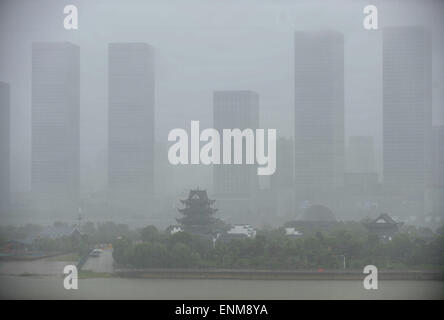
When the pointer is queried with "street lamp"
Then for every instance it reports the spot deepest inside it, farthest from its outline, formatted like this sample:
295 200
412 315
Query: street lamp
343 257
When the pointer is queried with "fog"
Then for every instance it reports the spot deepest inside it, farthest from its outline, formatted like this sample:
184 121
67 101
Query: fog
201 47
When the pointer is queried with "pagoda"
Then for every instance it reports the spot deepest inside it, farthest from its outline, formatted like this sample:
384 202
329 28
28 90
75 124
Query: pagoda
198 214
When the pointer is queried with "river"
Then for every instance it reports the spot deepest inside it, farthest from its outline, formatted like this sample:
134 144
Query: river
43 279
51 287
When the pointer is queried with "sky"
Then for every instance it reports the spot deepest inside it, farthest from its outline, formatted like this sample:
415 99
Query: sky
202 46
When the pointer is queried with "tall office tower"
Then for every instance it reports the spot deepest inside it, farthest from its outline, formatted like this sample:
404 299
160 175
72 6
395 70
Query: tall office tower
131 123
360 161
407 116
55 167
235 110
282 181
284 176
435 192
361 196
319 115
361 154
5 147
164 171
438 157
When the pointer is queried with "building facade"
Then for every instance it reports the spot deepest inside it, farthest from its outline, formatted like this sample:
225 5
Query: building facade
5 147
234 185
437 180
55 164
407 117
235 110
282 181
319 115
360 155
435 190
131 123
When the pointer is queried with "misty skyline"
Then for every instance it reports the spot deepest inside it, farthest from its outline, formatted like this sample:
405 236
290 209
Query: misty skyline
199 49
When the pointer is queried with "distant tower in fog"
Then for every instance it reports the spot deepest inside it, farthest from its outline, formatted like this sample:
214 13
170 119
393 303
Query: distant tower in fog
407 113
130 121
283 178
361 154
164 170
55 168
360 162
319 114
435 192
282 181
5 146
235 109
438 157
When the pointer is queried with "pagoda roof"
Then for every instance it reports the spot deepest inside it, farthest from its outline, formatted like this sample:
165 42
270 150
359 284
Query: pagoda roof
197 194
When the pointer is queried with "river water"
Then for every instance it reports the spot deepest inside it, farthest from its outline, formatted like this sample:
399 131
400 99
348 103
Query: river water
51 287
43 279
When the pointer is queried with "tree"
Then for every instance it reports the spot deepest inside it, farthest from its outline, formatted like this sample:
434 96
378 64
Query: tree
182 256
150 233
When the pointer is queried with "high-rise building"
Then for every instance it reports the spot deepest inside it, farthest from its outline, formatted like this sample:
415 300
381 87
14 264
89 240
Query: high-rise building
164 171
438 157
282 181
319 115
435 191
361 154
360 162
55 168
5 146
131 122
235 110
361 192
284 174
407 115
235 185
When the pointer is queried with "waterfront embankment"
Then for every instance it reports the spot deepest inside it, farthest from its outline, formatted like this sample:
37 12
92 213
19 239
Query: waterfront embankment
275 274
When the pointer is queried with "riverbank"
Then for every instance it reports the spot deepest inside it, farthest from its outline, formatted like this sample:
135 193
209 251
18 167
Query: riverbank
274 274
33 256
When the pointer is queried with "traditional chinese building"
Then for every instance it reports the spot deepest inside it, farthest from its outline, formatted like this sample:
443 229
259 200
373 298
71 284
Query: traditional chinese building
384 226
314 218
198 213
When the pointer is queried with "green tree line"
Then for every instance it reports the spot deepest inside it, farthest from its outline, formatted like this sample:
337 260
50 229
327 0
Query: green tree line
273 250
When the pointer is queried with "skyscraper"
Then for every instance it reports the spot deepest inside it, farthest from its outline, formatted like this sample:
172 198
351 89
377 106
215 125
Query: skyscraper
438 157
282 181
284 175
361 178
435 191
361 155
235 110
319 114
407 115
131 122
55 169
5 146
